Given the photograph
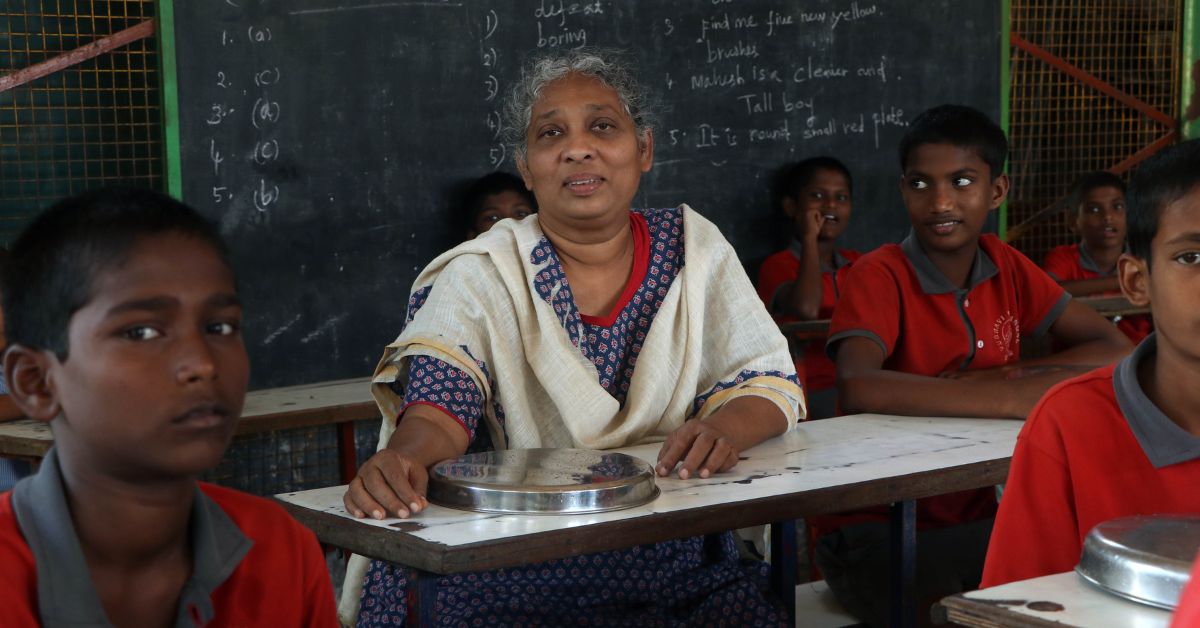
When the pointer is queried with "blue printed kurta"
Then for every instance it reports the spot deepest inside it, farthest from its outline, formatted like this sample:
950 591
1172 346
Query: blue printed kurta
694 581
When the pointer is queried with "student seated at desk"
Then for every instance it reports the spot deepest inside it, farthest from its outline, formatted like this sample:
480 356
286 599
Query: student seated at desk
932 327
1090 266
802 281
494 197
123 318
1123 440
590 325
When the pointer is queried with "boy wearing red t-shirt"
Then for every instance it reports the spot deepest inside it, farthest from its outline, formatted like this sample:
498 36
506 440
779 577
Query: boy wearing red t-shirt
932 327
1123 440
124 327
803 281
1090 266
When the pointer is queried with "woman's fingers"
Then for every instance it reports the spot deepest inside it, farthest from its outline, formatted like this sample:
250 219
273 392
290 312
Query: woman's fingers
696 455
385 486
676 445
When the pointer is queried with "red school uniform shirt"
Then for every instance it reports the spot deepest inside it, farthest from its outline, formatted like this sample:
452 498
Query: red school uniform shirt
253 564
1188 613
814 367
895 297
1072 469
1071 262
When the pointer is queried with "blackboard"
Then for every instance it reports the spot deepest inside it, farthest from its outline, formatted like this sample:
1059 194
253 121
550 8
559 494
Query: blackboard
326 136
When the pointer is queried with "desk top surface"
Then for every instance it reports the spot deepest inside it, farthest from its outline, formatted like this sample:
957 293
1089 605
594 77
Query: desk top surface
822 466
265 410
1059 600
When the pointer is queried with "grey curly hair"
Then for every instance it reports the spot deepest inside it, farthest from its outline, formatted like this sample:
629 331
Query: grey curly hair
610 67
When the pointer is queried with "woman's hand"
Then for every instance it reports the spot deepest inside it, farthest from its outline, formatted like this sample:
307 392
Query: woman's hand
388 484
701 446
393 481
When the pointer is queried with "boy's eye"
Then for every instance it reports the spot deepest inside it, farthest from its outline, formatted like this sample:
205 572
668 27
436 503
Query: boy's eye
918 184
1118 207
141 332
223 329
1190 258
962 182
521 214
816 194
843 197
1092 209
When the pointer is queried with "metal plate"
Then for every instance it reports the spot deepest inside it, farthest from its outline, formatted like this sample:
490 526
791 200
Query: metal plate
1146 559
542 481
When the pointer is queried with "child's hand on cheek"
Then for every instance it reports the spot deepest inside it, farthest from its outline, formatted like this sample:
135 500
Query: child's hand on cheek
810 224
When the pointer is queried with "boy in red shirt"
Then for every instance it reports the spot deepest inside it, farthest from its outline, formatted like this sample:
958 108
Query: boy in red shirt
1090 266
124 327
932 327
1123 440
802 281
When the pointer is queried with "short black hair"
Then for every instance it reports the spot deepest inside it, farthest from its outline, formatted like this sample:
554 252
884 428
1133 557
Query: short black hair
961 126
1092 181
55 260
1161 180
801 174
488 185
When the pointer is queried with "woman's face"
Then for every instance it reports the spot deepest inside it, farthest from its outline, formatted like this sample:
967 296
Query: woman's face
584 160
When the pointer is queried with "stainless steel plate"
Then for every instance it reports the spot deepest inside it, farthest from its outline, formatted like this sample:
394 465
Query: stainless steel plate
541 481
1145 559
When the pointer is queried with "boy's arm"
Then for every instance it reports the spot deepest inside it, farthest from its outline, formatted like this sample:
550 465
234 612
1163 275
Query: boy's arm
865 386
1085 287
802 298
8 409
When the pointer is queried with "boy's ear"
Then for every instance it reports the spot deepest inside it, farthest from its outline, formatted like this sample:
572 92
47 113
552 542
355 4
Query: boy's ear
1134 277
999 190
789 206
28 373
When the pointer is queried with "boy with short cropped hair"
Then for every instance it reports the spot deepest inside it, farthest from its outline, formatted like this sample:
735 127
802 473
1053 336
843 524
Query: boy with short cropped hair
123 322
1123 440
932 327
1090 266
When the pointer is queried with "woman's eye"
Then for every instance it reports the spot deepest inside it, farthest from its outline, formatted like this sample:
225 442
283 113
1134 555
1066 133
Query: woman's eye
1190 258
550 133
142 332
604 126
223 329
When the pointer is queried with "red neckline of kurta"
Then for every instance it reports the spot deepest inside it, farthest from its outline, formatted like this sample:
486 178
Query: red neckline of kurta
641 262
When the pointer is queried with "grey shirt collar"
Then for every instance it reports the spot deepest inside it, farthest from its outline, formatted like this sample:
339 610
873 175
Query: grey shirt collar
932 280
66 595
839 260
1163 442
1088 263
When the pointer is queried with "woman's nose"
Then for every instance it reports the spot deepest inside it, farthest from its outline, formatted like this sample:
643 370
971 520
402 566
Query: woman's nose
578 147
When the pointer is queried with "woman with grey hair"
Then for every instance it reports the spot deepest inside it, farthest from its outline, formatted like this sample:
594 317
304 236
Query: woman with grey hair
590 325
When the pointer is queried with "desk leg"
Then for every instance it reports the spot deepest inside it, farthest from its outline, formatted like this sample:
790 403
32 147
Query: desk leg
347 452
422 598
783 565
904 563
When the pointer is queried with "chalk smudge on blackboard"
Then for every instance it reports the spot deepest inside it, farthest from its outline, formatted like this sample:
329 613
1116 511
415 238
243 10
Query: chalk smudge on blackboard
324 328
279 330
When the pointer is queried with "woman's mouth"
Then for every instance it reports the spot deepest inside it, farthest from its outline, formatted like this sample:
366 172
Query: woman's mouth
583 184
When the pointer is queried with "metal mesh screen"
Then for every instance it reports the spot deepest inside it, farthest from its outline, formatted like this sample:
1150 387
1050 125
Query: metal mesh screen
1059 127
93 124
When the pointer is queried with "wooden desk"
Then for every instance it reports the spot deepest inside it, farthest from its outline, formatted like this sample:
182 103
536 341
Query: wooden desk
1112 306
1063 599
337 402
806 330
823 466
